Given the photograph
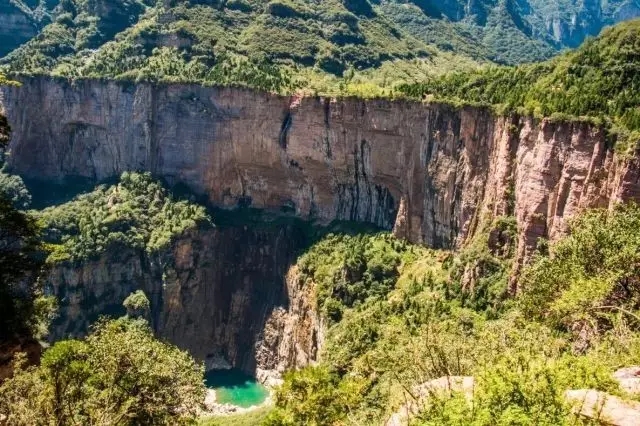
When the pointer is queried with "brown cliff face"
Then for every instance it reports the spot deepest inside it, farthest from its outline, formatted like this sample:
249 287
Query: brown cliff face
545 172
219 293
293 335
319 159
436 173
323 159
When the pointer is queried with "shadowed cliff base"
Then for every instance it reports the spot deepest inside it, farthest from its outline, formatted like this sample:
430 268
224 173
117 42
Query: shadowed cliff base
222 294
220 290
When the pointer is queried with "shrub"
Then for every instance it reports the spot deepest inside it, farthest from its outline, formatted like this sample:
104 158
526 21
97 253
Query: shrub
137 305
137 212
315 396
119 375
589 275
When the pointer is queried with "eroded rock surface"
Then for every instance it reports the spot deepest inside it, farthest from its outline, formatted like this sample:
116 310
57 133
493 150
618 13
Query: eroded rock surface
324 159
604 408
218 293
443 387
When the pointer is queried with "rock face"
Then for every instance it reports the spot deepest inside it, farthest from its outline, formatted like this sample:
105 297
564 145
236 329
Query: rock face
292 336
324 159
215 293
10 348
437 173
603 408
569 24
442 387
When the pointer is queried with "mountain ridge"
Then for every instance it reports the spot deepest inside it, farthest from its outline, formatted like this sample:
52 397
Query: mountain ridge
268 42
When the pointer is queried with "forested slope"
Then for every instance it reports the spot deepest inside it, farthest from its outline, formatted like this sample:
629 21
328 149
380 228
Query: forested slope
283 44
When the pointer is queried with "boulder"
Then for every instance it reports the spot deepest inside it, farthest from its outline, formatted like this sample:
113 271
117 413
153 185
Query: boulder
629 379
605 408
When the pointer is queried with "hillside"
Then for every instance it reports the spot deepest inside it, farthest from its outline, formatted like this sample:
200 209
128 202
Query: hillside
21 20
400 316
600 80
283 44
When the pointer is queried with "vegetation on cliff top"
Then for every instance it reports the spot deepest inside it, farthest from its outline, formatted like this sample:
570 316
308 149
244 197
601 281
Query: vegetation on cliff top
574 323
600 79
137 212
247 42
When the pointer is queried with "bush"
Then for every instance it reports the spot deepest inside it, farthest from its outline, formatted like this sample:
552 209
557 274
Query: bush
575 322
589 275
350 270
137 212
12 187
21 259
119 375
315 396
520 389
137 305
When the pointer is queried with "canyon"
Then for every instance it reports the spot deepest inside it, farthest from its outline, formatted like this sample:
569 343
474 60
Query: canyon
223 294
433 173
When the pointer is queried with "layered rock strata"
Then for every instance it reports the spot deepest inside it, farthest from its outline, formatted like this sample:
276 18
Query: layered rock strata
324 159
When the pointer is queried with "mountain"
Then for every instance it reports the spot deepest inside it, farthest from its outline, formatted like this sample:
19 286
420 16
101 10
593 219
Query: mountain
600 80
477 232
498 268
508 31
276 44
21 20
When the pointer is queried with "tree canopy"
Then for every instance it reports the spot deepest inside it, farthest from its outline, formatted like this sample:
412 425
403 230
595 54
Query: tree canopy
120 375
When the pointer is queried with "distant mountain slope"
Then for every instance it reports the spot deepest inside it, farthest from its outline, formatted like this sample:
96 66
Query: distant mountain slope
218 41
600 80
266 43
507 31
21 20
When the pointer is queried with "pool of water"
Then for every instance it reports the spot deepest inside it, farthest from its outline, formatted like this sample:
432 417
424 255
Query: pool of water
236 388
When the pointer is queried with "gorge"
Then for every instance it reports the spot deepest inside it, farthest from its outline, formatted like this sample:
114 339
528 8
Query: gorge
433 173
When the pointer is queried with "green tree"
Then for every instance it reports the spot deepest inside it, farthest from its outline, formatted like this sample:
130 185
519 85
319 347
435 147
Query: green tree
21 258
13 188
315 396
119 375
137 305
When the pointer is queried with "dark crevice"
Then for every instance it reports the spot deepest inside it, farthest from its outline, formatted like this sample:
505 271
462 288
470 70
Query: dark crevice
356 190
363 157
327 142
284 130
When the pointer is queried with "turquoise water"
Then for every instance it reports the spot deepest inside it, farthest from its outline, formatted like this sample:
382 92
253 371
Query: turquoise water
236 388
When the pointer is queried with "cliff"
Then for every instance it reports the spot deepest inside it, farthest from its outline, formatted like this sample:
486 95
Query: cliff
324 159
222 294
436 174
